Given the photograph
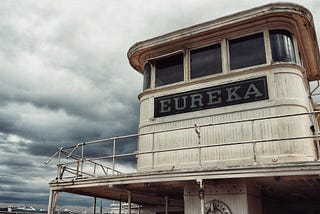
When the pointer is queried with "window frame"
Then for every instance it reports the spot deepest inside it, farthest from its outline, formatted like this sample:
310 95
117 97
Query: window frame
145 81
201 47
225 55
293 43
170 58
266 52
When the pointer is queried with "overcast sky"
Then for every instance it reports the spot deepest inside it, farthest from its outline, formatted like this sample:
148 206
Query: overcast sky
65 77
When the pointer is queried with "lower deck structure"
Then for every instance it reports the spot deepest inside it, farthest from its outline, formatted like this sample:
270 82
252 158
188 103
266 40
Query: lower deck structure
280 188
277 187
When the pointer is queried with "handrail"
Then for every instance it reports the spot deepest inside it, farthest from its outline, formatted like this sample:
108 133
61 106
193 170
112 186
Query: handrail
192 127
81 162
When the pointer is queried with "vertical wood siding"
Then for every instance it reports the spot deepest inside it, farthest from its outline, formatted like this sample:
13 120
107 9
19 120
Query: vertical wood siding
287 94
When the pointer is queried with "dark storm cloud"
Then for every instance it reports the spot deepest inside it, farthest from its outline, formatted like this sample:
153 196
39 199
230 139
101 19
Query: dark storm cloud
20 197
14 180
65 79
67 199
18 164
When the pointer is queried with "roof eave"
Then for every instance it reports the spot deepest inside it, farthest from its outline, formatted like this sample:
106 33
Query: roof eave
302 15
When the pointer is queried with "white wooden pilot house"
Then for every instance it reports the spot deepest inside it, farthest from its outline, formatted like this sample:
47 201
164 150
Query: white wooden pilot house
227 120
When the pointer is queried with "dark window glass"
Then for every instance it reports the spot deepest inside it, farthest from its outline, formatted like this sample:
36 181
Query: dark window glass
169 70
147 76
247 51
205 61
282 46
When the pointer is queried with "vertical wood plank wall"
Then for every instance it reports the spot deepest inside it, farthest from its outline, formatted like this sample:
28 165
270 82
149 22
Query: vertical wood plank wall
287 94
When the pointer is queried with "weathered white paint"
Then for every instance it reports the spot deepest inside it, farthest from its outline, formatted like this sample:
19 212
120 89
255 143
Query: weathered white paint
287 94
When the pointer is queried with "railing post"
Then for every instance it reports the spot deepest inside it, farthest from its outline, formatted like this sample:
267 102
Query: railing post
318 145
253 142
59 155
315 132
59 164
114 155
94 169
197 130
78 168
82 157
58 171
152 150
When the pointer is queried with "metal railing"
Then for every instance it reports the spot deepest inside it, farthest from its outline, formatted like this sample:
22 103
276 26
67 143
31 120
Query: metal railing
73 162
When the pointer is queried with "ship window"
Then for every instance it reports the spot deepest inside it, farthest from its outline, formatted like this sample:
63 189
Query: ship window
205 61
169 70
147 76
282 46
247 51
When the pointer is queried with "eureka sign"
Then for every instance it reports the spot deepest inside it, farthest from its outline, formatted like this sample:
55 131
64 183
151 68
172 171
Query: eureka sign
245 91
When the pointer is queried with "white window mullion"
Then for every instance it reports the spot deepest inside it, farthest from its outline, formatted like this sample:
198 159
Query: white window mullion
267 46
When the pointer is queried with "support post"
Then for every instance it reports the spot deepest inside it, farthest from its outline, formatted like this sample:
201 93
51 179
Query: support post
201 195
101 207
167 204
52 201
94 205
120 206
129 202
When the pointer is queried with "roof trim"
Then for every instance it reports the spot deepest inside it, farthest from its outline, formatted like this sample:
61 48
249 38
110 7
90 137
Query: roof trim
299 14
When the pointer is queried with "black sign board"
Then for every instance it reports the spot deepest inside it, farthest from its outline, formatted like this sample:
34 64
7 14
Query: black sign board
245 91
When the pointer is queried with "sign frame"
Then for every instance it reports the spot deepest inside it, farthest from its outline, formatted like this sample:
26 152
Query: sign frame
235 93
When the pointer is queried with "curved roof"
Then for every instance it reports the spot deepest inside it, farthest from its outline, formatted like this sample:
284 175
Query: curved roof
293 14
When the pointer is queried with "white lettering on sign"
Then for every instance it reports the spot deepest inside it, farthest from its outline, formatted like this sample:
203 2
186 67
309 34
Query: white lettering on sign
165 105
232 94
196 100
179 106
214 97
252 90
